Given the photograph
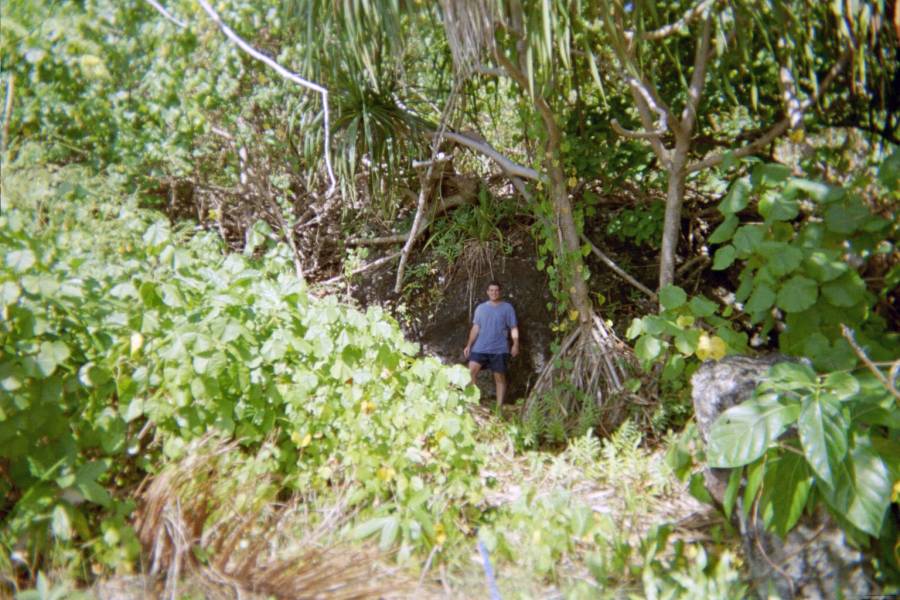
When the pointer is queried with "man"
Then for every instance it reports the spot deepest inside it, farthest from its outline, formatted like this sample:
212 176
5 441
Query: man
488 345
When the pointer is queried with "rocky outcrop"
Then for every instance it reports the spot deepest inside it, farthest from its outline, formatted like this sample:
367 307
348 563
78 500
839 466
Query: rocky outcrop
815 560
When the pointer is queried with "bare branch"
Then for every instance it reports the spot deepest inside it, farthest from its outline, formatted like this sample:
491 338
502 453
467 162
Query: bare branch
425 188
617 269
698 77
635 135
509 167
679 25
243 45
888 384
7 111
777 129
364 268
161 10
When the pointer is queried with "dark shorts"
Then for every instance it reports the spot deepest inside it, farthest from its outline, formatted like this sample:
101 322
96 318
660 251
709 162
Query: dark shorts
494 362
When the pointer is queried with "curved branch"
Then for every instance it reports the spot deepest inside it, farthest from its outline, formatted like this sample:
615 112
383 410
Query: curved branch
243 45
509 167
617 269
635 135
679 25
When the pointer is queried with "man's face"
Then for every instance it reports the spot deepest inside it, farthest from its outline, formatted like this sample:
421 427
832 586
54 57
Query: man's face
493 292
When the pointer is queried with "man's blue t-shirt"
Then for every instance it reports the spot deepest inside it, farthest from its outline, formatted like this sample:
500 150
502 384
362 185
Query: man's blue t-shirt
494 322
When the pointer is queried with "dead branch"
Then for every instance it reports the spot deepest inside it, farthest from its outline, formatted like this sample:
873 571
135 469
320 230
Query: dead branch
617 269
635 135
508 166
243 45
364 268
889 384
161 10
679 25
7 111
427 182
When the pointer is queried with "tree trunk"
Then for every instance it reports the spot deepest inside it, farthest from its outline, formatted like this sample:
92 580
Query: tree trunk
672 222
569 259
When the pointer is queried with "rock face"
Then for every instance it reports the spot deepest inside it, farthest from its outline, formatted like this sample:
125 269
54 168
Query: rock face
815 561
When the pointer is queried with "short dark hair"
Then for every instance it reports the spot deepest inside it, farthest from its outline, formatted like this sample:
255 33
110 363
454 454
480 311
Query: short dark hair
494 282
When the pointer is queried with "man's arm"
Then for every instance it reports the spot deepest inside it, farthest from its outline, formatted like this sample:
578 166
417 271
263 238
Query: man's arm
473 334
514 332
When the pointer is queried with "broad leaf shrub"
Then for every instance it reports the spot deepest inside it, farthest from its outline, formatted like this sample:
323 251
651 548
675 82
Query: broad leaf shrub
800 260
122 339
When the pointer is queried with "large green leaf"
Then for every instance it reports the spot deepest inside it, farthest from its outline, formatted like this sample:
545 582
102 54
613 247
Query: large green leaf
742 433
762 298
797 294
823 434
845 291
786 487
725 230
737 197
724 257
862 487
777 206
672 296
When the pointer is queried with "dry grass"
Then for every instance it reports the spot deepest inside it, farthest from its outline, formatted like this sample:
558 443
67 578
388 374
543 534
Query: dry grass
197 537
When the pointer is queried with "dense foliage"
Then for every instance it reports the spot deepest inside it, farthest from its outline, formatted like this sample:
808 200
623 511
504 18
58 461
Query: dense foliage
750 146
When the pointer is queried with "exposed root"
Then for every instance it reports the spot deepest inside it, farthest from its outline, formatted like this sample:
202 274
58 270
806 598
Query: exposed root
243 543
588 375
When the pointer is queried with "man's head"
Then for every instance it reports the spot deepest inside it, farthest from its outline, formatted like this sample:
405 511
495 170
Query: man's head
494 290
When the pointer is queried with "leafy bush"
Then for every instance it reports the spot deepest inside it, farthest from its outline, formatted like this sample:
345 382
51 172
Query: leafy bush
116 326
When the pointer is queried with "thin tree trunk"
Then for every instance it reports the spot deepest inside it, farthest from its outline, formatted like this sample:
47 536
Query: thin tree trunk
672 222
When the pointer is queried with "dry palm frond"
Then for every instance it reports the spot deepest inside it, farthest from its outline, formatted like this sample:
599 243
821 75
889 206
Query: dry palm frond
469 25
195 526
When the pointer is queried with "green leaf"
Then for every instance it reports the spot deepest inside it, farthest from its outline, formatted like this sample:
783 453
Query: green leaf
20 260
817 190
748 239
797 294
635 329
731 491
737 197
775 206
725 230
672 296
724 257
770 173
702 307
755 472
786 487
862 488
844 385
389 532
846 218
783 258
822 267
823 434
742 433
648 348
845 291
51 355
59 523
9 293
762 298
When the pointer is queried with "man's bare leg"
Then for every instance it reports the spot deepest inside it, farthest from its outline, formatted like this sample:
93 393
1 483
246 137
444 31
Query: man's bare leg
500 382
474 369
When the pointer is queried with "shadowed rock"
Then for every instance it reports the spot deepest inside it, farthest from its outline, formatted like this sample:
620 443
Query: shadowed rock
815 560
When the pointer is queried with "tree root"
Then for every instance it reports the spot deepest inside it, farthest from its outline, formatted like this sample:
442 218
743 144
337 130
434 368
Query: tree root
587 375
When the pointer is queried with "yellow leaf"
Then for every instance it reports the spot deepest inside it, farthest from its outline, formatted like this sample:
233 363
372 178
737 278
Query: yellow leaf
684 321
895 495
710 347
573 315
386 473
305 441
440 536
573 182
